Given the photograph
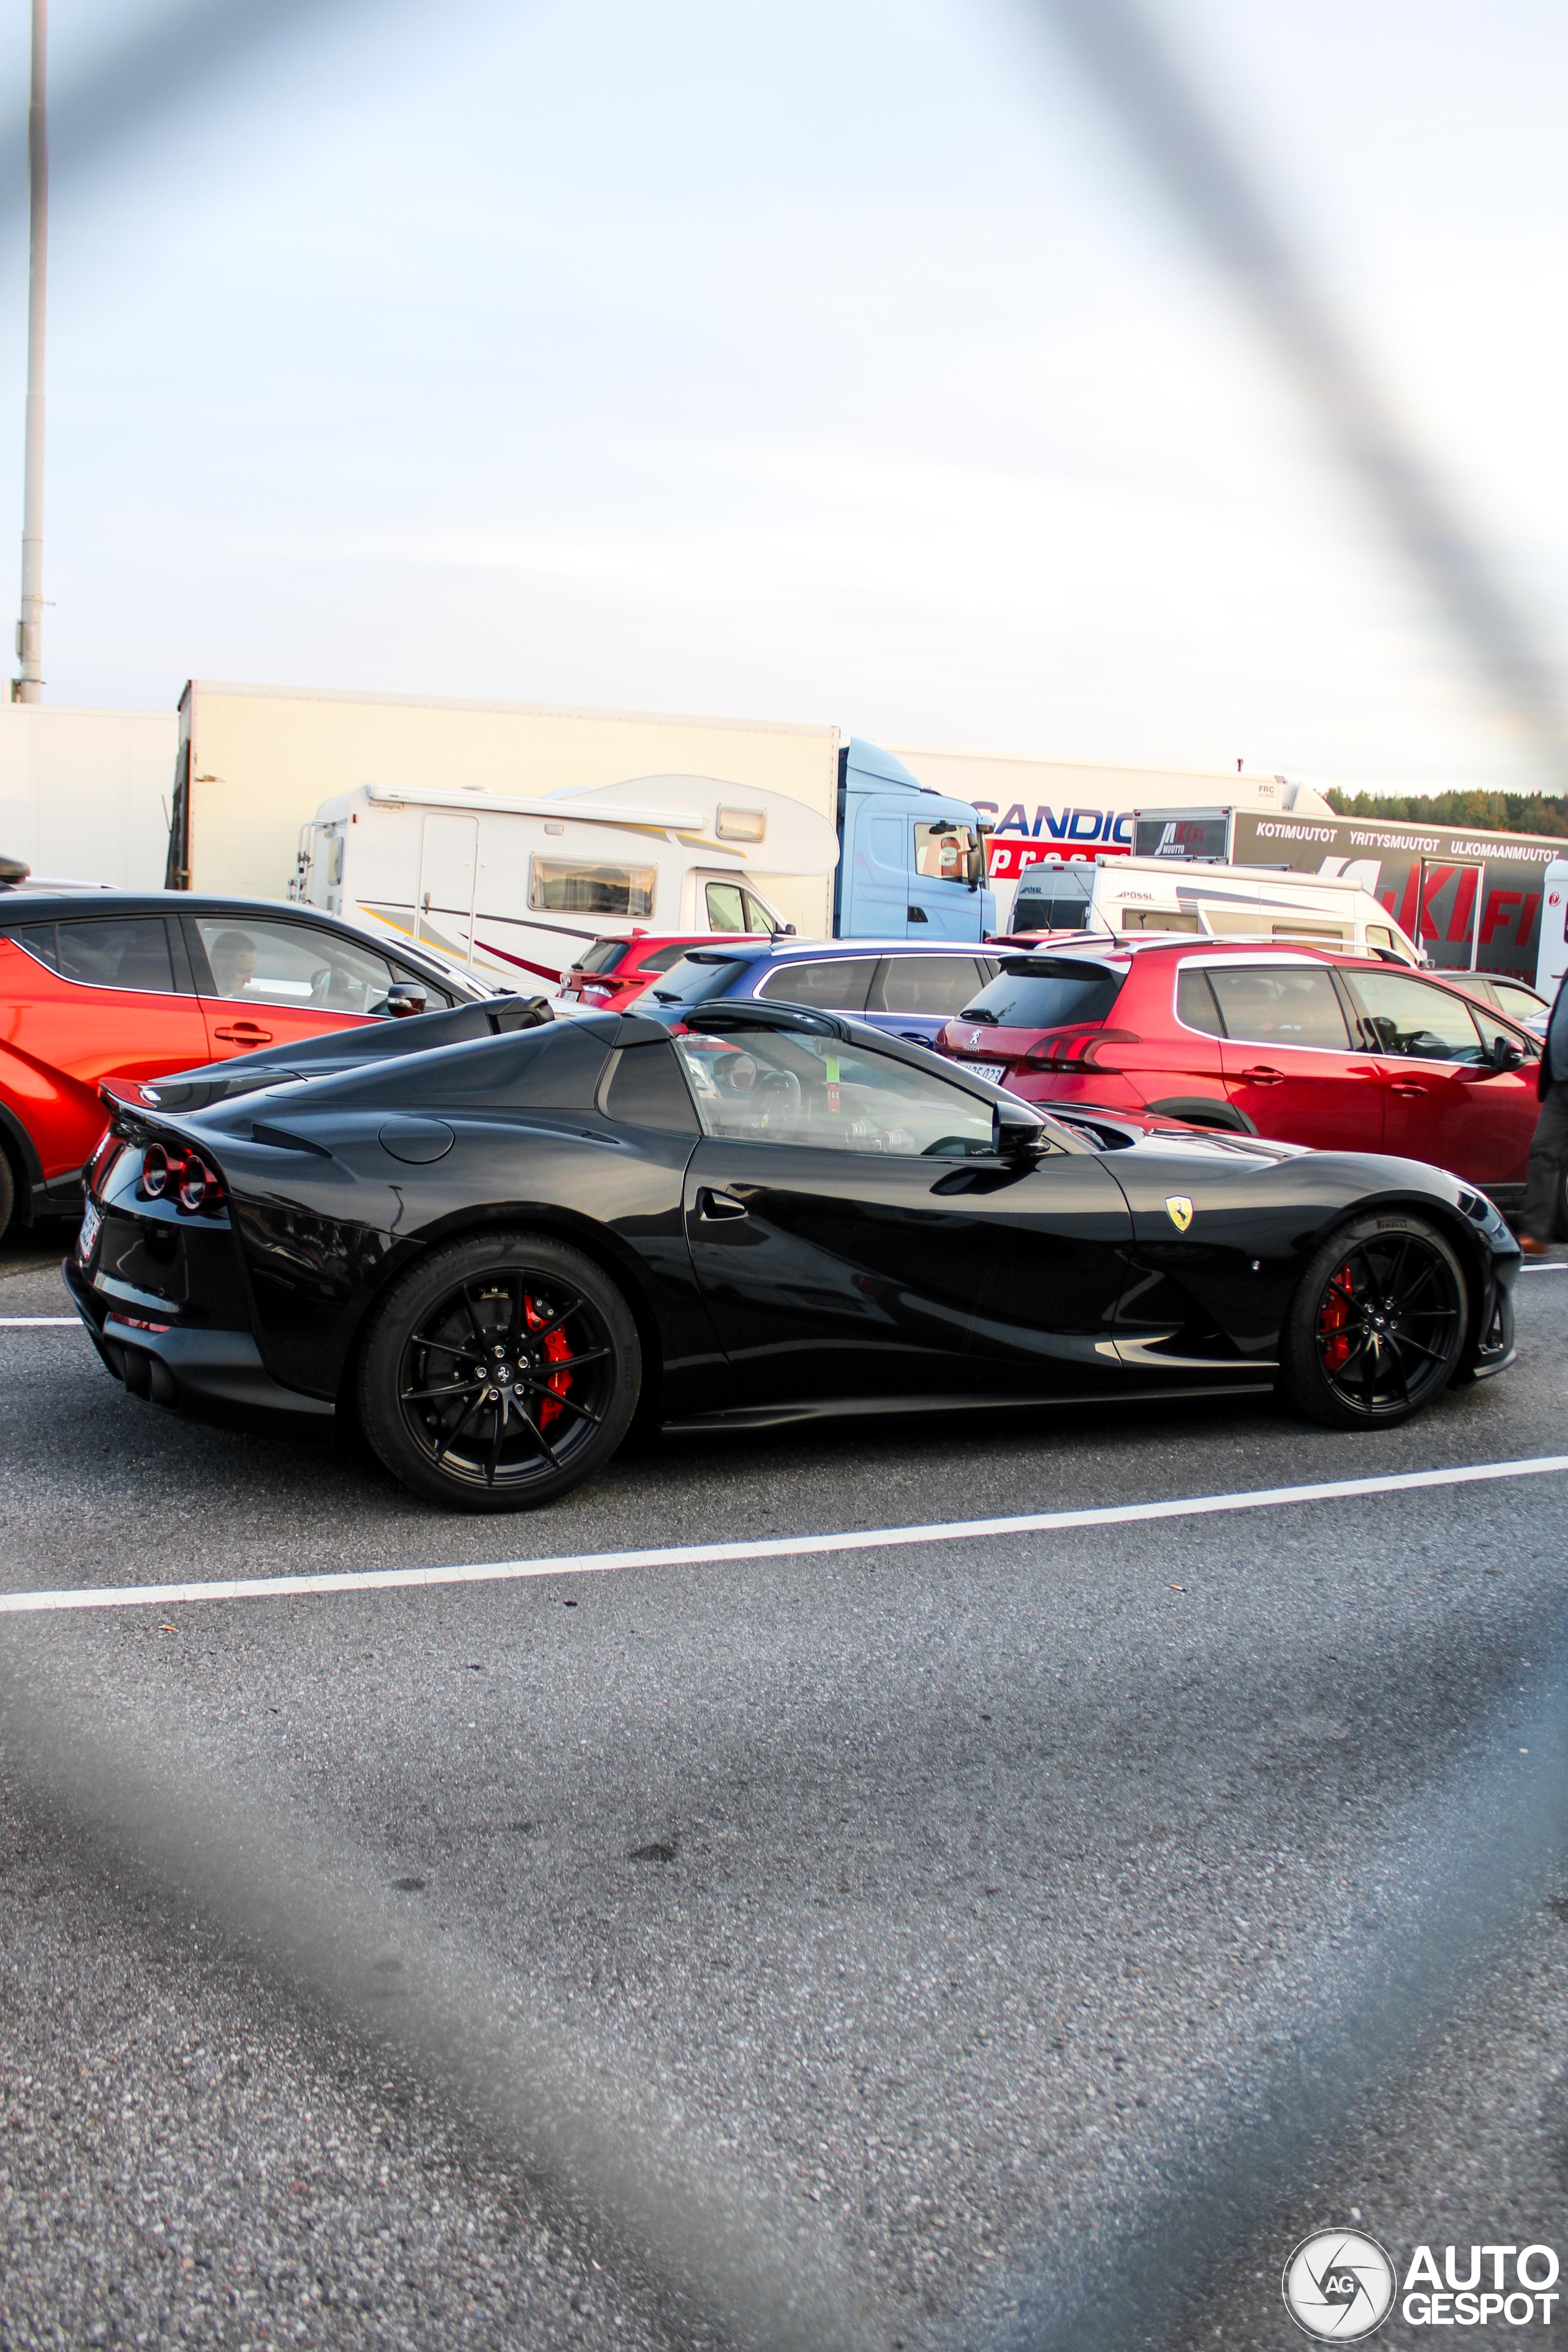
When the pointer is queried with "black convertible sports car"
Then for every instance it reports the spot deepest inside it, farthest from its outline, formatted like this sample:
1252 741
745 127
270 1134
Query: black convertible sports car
496 1238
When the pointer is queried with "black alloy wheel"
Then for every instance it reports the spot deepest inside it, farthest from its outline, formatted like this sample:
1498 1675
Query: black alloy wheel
499 1372
1376 1327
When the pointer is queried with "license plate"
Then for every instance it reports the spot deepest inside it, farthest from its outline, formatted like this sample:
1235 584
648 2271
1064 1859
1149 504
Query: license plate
89 1233
995 1071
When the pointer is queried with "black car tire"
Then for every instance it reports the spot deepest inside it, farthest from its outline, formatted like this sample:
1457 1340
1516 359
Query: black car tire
7 1192
1367 1351
498 1307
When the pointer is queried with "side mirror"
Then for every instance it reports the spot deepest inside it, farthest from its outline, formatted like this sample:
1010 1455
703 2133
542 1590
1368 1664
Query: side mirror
405 999
1016 1133
1505 1054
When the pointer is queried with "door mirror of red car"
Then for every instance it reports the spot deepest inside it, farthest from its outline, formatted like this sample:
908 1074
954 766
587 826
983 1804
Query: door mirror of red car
405 999
1505 1054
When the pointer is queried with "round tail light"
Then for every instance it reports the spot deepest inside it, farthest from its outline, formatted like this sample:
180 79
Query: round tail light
200 1187
161 1172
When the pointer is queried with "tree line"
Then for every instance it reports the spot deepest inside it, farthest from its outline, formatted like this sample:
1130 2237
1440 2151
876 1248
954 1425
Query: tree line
1487 812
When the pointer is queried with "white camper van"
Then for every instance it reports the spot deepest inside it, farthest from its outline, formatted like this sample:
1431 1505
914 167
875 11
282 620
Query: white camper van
513 890
1152 893
1552 955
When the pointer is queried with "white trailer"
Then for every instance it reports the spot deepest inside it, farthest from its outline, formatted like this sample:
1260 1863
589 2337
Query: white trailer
1216 901
513 890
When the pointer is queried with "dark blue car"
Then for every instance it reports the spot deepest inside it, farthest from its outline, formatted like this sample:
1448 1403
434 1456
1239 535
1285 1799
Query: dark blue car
908 988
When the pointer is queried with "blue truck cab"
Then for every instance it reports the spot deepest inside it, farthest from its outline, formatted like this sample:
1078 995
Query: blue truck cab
911 862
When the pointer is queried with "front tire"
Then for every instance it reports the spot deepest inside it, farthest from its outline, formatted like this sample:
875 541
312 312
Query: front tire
1377 1323
499 1372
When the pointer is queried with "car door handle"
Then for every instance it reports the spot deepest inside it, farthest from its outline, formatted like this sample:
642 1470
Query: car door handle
244 1033
1263 1077
717 1208
1406 1087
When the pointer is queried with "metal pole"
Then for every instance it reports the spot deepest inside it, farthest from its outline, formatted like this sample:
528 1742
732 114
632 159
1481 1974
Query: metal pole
29 687
1476 925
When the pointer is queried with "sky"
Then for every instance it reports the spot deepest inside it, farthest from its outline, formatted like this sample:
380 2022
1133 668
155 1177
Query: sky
837 362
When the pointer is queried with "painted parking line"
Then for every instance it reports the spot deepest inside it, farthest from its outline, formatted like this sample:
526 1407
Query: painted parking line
39 1322
504 1572
1560 1268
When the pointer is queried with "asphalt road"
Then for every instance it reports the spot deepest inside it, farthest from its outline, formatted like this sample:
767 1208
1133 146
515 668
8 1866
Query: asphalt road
995 1929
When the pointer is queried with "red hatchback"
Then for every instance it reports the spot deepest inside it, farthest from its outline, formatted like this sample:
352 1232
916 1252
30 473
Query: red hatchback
111 983
606 976
1300 1044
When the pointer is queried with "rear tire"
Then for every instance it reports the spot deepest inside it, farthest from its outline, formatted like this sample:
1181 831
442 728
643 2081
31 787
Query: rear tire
499 1372
7 1192
1377 1324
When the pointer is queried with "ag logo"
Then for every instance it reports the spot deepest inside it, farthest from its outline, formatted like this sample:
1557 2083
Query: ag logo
1179 1209
1338 2285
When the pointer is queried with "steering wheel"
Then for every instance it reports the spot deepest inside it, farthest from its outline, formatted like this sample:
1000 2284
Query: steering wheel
777 1087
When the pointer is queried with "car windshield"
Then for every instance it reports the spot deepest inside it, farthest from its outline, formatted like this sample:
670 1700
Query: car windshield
695 978
1046 992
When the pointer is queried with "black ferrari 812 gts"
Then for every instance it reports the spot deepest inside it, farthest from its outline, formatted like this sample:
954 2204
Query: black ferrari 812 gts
496 1238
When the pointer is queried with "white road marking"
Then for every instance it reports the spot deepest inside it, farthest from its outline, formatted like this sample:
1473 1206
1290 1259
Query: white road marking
501 1572
39 1322
1561 1267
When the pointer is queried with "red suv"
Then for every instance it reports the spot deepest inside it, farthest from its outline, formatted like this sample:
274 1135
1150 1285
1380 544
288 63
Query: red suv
606 976
1304 1045
112 983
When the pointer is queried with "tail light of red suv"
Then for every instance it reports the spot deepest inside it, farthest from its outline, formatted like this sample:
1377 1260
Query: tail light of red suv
1077 1048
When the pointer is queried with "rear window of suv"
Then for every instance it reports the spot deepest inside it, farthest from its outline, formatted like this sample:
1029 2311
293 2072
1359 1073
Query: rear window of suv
603 955
1046 992
695 978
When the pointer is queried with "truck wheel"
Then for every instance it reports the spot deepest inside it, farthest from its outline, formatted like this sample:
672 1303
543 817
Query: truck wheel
1375 1330
499 1372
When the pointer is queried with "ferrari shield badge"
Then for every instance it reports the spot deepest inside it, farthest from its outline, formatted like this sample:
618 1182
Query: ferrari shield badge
1179 1209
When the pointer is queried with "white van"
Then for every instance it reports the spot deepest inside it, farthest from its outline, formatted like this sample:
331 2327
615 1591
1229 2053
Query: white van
513 890
1552 955
1116 896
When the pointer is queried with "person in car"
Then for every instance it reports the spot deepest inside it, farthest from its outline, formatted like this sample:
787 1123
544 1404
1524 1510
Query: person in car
233 959
1549 1145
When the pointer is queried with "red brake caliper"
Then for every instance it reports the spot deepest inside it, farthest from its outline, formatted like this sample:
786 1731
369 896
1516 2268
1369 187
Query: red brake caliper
556 1347
1333 1345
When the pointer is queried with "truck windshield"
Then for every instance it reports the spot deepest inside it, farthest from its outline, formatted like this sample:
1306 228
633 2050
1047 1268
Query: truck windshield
1046 992
694 979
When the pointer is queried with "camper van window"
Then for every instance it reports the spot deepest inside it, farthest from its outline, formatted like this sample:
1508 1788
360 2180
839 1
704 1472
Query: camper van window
941 851
758 918
1297 931
557 888
1051 902
725 912
1159 919
1376 937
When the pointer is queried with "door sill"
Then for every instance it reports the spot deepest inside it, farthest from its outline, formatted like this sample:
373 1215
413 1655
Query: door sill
780 1416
